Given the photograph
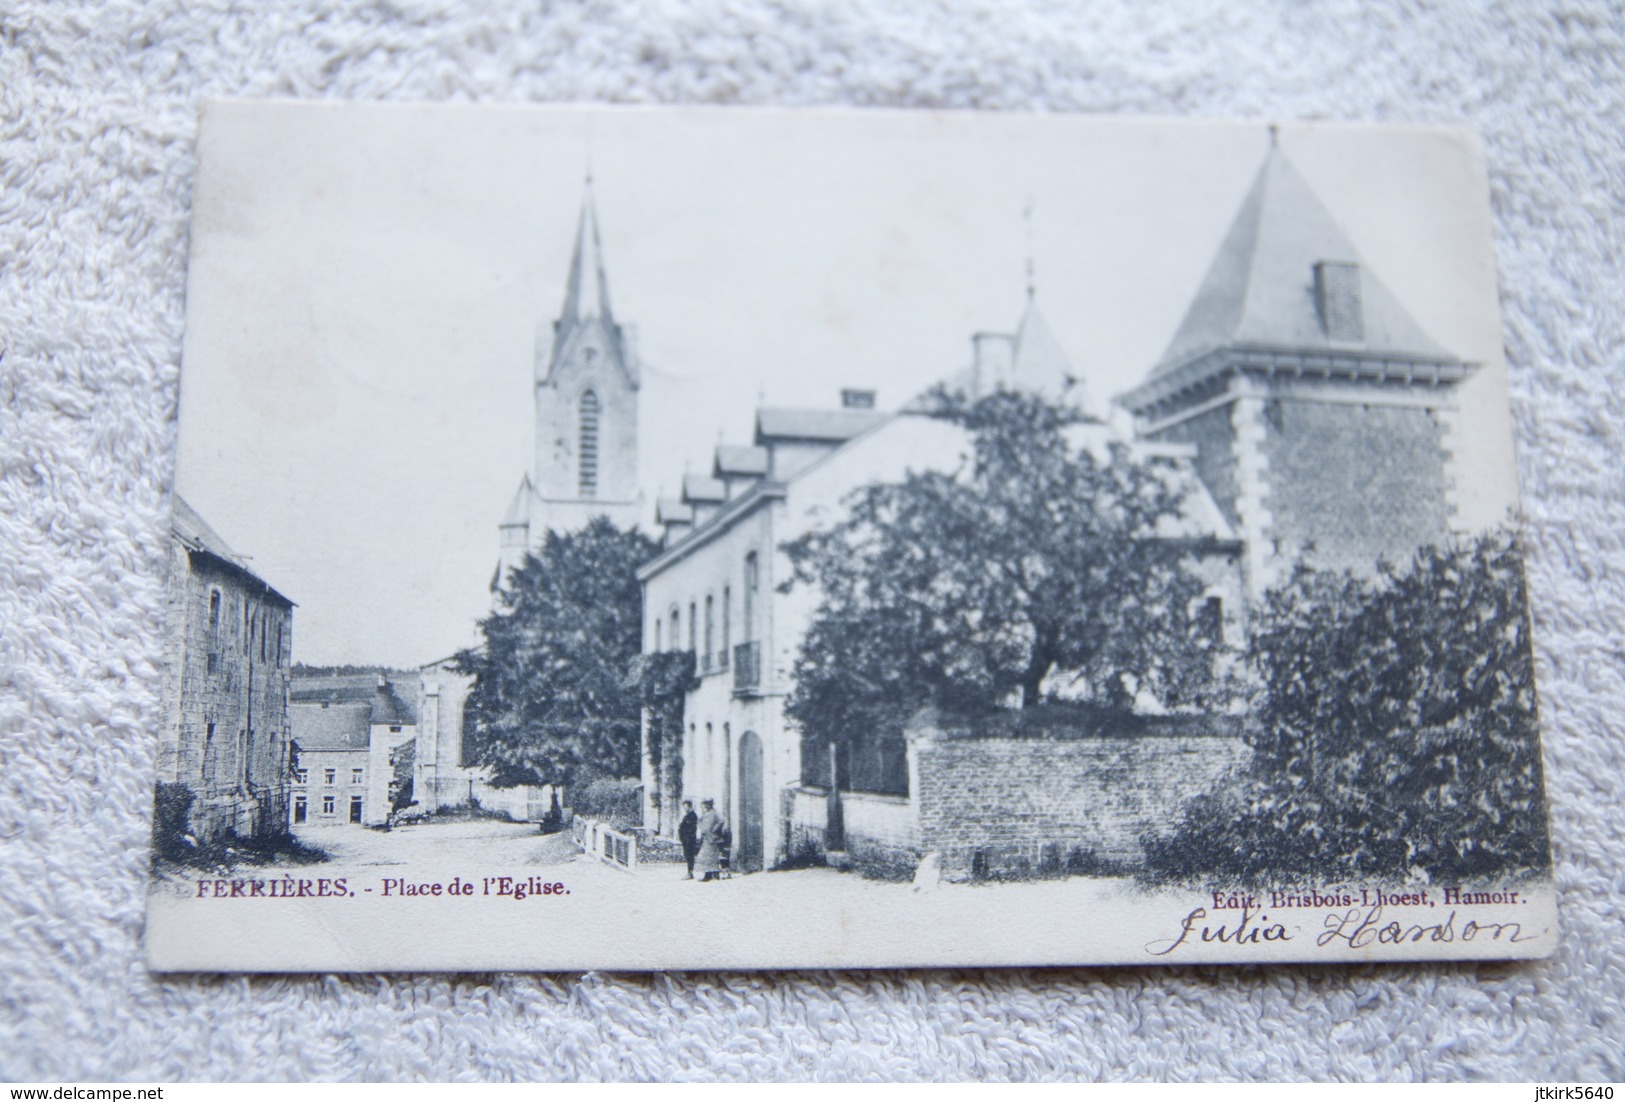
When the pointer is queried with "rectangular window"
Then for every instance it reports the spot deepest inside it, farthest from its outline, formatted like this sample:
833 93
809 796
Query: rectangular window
1211 620
327 805
214 630
330 776
750 596
693 627
301 776
355 776
710 630
727 614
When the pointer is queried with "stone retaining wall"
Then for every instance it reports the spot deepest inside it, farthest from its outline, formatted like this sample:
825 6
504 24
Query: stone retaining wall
1024 805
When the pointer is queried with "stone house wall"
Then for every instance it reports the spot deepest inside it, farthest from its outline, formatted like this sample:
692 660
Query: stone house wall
314 764
227 643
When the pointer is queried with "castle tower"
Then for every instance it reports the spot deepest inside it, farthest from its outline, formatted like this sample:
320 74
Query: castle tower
1320 411
585 387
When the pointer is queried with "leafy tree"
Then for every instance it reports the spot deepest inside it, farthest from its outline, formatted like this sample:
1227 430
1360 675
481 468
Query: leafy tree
1041 568
558 689
1396 731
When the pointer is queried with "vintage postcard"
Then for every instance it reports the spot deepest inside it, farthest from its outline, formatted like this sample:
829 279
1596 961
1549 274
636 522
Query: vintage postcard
678 539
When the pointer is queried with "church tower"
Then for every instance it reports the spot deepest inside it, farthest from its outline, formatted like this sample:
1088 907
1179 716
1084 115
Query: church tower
585 387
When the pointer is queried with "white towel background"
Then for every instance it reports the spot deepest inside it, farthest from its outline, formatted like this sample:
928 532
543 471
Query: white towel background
97 124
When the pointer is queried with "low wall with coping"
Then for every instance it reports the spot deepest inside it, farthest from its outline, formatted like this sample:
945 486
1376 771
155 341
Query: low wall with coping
1062 799
993 798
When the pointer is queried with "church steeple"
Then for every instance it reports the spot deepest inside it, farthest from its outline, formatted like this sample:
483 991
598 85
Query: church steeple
586 316
586 383
587 293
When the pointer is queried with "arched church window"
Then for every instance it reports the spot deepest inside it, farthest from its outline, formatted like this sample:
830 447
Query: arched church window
587 481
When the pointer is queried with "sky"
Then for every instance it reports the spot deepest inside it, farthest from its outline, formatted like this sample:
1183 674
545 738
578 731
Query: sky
367 284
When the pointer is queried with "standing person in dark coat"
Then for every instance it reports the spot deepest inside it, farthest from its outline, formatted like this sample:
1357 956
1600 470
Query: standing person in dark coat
688 833
713 833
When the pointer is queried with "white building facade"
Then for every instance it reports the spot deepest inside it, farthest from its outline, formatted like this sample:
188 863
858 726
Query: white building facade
715 588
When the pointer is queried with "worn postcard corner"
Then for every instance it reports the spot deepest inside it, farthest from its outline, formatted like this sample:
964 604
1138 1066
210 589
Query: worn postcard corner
693 538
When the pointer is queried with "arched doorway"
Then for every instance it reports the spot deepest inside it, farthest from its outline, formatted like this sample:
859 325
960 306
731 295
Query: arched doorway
748 856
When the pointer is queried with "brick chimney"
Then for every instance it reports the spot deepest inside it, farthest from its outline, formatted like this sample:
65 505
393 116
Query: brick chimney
1337 300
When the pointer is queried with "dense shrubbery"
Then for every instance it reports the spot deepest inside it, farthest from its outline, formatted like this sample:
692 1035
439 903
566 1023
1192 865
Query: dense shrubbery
171 832
613 800
174 844
1396 737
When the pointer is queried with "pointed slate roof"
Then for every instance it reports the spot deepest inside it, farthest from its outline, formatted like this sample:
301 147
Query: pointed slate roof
586 309
586 295
1260 287
1039 363
518 513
